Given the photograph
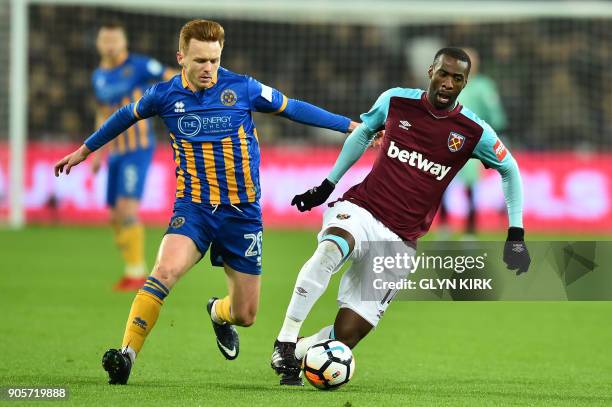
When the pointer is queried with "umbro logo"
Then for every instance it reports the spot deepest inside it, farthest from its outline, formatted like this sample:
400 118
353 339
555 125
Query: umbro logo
301 291
179 107
405 124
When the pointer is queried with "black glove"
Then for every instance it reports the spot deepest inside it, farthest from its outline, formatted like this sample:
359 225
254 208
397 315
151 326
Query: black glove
313 197
516 255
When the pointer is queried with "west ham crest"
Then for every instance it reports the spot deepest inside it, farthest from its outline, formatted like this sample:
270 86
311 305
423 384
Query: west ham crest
455 141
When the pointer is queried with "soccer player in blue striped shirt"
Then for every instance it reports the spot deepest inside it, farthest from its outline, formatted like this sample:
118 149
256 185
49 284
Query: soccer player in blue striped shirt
121 78
208 112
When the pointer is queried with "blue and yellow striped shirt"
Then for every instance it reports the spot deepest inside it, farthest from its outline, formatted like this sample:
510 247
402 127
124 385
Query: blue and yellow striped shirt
213 135
126 84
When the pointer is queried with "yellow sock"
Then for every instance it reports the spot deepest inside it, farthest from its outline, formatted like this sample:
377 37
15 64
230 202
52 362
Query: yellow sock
223 310
130 240
144 312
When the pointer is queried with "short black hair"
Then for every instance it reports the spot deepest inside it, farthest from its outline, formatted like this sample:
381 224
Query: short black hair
456 53
113 25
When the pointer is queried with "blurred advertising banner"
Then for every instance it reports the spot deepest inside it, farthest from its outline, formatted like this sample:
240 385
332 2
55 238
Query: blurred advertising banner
564 191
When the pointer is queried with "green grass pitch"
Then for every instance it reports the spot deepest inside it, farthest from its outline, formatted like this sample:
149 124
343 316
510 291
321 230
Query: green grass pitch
59 315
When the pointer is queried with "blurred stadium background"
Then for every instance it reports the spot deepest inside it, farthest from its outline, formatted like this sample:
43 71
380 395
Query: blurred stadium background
550 62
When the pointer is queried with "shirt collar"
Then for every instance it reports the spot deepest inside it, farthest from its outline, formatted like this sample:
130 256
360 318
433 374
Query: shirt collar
185 83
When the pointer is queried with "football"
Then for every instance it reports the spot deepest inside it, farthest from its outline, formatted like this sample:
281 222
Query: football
328 364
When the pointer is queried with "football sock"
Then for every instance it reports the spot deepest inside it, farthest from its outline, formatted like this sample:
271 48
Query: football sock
130 240
310 285
305 343
222 311
143 314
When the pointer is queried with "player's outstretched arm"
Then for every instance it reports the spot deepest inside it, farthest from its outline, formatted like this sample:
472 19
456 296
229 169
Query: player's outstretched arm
354 146
491 151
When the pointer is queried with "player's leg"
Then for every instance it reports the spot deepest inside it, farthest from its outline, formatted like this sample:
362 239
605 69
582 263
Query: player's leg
177 254
130 237
238 248
238 307
187 239
470 228
335 246
350 327
130 240
337 242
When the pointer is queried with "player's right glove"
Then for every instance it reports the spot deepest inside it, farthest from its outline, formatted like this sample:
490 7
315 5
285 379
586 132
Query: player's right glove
313 197
516 255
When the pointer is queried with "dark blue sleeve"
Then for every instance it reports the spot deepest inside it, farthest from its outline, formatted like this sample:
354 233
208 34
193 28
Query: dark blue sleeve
123 118
119 122
269 100
305 113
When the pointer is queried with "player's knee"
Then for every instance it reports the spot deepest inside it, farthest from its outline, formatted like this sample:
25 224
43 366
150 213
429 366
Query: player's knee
167 273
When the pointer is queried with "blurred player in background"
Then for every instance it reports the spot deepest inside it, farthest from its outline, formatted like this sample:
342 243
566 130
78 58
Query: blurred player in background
481 97
208 111
121 78
428 138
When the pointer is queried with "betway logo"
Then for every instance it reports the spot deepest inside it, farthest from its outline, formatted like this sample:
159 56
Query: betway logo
417 160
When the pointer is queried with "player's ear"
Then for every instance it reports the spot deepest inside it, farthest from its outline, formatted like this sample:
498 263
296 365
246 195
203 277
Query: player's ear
179 57
430 71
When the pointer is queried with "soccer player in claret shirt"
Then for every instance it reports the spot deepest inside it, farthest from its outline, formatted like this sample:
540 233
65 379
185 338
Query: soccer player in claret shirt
428 138
121 78
207 110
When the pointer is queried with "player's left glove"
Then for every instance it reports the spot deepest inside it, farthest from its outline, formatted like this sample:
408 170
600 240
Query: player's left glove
516 255
313 197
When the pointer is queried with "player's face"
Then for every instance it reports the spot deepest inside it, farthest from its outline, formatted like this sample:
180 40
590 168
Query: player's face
201 61
111 43
448 78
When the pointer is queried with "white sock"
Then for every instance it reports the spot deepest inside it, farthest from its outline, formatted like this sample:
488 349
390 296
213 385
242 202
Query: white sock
136 271
305 343
310 285
213 315
131 353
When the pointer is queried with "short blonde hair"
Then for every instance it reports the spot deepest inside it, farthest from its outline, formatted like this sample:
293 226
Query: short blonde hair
201 30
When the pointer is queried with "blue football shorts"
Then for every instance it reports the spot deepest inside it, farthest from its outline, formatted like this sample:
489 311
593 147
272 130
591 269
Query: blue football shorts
233 232
127 174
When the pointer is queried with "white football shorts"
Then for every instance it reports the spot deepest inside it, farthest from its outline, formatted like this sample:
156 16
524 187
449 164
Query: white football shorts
370 235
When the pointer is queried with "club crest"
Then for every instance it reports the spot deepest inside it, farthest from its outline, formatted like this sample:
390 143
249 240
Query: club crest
229 97
455 141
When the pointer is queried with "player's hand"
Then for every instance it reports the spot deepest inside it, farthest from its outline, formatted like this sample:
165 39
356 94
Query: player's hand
313 197
377 140
352 126
71 160
516 255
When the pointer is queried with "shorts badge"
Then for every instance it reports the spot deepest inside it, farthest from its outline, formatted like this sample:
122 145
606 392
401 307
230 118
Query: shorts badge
177 222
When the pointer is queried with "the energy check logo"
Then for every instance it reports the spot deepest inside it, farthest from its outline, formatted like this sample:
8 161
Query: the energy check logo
415 159
189 125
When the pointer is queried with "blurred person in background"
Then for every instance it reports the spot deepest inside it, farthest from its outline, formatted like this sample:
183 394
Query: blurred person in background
482 97
120 79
